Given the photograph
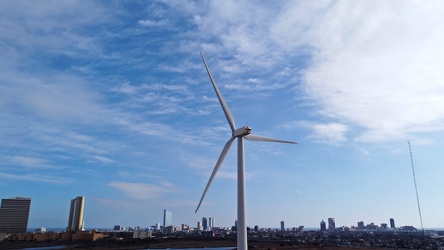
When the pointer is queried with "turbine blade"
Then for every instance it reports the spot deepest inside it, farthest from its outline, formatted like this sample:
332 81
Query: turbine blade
216 168
262 138
224 105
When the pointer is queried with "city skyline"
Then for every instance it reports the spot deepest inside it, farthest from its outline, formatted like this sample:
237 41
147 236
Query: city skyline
110 101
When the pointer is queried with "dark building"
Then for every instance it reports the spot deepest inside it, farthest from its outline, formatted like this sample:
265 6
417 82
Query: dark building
392 223
204 223
360 224
14 215
323 227
331 224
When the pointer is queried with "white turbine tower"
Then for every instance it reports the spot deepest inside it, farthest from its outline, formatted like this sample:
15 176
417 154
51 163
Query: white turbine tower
240 134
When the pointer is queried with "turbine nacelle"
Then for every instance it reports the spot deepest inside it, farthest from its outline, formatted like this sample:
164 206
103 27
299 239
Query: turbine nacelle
245 130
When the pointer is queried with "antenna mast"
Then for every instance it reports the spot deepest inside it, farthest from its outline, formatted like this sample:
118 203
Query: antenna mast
416 187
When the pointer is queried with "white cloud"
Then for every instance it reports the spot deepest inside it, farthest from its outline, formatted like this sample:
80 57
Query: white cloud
153 23
332 133
143 191
30 162
378 67
57 97
35 178
102 159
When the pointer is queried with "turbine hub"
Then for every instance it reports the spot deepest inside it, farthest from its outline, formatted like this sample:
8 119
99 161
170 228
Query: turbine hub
243 131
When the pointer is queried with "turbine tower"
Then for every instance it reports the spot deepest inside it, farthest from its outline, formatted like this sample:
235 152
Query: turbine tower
239 134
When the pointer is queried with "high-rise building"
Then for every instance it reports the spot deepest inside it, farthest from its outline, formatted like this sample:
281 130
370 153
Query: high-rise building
282 226
392 223
199 226
360 224
210 223
323 227
331 224
204 223
167 218
75 220
213 222
14 215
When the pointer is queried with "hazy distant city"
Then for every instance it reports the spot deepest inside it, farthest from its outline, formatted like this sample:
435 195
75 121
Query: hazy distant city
14 214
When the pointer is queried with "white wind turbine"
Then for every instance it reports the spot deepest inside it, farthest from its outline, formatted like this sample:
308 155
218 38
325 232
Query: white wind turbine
240 134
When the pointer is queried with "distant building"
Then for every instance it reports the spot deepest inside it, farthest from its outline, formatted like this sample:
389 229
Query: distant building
156 227
40 230
199 226
213 222
118 228
204 223
323 227
360 224
408 229
168 230
210 223
392 223
75 220
282 226
14 215
384 226
167 218
331 224
256 228
372 226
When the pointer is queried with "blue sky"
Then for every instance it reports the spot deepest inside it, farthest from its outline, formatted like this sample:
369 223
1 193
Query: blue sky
110 100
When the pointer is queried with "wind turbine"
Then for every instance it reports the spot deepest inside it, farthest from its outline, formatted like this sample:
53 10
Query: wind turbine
240 134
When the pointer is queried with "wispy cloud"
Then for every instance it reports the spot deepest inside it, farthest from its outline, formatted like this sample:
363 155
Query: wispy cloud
331 133
380 70
153 23
36 178
103 160
142 191
30 162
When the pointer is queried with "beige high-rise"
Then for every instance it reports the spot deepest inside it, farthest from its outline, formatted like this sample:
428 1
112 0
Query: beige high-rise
75 221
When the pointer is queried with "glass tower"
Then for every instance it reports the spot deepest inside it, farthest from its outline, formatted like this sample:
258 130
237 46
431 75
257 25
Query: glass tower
167 218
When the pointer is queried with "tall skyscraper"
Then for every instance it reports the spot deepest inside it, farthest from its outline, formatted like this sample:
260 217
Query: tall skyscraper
167 218
323 227
331 224
392 223
14 215
282 226
204 223
210 222
75 220
213 222
360 224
